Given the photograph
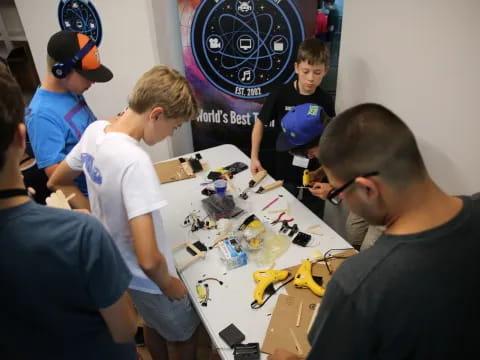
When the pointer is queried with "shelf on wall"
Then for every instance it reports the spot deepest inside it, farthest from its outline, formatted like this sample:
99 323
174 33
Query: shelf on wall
11 28
15 49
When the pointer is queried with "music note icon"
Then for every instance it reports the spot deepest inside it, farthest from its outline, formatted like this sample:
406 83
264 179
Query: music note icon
247 75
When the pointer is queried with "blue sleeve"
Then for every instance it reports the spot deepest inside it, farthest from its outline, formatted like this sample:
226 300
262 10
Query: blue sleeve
48 139
341 331
106 275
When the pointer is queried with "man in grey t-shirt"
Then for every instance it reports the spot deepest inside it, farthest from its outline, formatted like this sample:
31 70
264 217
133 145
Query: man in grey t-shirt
415 293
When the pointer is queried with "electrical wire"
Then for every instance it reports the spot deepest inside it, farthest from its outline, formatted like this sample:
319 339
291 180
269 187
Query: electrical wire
195 222
255 305
210 278
327 257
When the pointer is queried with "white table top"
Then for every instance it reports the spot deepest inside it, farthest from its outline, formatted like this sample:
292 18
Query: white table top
230 303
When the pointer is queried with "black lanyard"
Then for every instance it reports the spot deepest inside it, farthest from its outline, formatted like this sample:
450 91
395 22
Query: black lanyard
8 193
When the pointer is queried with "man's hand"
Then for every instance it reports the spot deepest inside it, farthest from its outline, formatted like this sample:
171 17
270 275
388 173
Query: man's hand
282 354
320 190
175 290
317 175
256 166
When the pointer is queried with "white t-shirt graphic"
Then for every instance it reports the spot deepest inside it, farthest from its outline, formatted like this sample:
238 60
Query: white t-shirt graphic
122 184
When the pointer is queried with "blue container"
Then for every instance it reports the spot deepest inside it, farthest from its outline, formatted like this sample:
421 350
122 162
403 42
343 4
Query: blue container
220 186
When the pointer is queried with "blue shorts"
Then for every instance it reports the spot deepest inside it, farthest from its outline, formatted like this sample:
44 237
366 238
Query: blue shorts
173 320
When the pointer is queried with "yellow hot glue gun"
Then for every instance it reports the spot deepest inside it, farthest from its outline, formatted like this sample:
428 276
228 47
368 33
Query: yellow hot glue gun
303 279
265 278
306 178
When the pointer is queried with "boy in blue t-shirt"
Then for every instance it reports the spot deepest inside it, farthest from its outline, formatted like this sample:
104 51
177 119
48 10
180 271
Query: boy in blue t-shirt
58 114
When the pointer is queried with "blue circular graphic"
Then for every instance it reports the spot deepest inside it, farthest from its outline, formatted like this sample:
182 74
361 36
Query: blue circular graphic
246 48
80 16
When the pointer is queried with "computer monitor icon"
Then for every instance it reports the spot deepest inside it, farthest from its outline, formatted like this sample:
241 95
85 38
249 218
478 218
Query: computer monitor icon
245 44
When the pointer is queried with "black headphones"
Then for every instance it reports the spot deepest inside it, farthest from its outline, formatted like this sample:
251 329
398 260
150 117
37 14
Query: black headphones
61 70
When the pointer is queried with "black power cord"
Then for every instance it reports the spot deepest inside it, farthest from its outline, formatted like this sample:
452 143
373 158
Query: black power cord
255 305
210 278
327 257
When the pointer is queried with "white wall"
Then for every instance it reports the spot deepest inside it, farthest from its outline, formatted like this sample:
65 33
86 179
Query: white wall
169 43
422 60
136 35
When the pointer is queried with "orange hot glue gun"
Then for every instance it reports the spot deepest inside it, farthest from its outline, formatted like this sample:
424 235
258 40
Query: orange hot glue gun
265 278
303 279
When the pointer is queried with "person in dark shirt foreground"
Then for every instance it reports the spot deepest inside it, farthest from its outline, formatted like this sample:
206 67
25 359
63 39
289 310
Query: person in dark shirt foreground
63 280
415 293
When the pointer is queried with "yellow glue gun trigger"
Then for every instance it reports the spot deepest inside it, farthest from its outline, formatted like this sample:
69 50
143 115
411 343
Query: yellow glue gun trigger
304 279
264 278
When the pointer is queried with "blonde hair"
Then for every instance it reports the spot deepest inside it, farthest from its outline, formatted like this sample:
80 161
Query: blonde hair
165 87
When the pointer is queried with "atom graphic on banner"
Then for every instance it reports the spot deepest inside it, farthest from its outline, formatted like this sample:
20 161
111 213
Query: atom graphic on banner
245 47
80 16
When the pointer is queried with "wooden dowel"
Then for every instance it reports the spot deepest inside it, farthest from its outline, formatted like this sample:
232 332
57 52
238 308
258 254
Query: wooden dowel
297 343
299 315
315 312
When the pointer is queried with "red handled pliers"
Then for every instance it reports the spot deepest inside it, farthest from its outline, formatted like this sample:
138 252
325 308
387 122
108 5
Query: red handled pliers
279 219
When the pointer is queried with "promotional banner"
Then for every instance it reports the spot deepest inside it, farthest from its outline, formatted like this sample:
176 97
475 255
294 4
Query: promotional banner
236 53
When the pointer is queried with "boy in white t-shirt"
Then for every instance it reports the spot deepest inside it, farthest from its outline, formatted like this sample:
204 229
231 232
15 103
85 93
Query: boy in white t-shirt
124 193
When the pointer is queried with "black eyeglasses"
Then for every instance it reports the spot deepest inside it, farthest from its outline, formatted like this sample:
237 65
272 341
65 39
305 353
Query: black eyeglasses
334 196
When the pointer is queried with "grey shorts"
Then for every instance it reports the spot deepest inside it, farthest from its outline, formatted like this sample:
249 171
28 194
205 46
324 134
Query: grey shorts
173 320
360 233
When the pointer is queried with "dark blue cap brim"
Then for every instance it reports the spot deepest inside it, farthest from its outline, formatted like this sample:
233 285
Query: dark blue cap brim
283 144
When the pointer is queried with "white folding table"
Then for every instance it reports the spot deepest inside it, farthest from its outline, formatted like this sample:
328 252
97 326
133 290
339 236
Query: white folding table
230 302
